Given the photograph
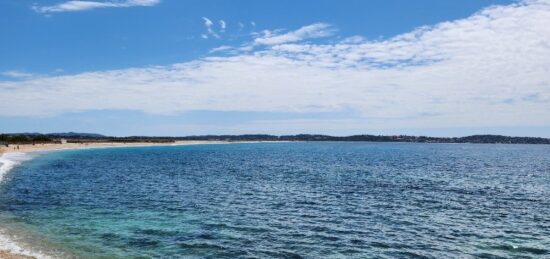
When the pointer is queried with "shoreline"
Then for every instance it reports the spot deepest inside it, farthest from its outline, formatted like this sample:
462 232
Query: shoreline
14 154
25 148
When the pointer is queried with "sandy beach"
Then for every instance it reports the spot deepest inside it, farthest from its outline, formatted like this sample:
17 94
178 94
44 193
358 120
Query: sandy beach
8 255
24 148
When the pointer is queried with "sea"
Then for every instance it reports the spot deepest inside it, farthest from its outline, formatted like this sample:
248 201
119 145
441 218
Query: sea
279 200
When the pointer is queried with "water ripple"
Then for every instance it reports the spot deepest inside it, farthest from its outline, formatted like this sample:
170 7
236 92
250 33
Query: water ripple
289 200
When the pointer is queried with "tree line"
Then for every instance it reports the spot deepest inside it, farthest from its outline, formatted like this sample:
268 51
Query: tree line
21 138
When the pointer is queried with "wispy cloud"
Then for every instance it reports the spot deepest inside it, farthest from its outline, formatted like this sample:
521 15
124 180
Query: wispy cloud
73 6
208 24
221 48
223 25
317 30
17 74
459 71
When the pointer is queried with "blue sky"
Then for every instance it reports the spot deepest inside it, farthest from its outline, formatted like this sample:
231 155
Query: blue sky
170 31
166 67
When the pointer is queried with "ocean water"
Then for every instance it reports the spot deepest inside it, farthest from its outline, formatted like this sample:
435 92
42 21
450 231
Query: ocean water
283 200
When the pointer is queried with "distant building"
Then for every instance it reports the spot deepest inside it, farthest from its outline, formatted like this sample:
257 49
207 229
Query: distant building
63 141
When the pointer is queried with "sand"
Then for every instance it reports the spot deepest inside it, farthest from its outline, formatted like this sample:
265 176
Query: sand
24 148
8 255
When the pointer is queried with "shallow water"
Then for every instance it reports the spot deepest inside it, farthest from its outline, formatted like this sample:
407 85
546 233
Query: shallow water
286 200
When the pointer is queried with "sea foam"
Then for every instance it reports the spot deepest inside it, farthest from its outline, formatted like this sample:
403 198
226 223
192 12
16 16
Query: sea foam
7 243
9 160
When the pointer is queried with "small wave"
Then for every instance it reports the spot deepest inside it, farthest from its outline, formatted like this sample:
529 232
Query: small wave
9 245
201 246
7 242
522 249
10 160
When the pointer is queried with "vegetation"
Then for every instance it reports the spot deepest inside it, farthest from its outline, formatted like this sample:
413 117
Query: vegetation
87 137
374 138
24 138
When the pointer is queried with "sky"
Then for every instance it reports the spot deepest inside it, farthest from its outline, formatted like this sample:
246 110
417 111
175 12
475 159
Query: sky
176 68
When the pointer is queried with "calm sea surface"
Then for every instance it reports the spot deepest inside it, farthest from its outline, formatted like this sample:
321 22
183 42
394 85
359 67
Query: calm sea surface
285 200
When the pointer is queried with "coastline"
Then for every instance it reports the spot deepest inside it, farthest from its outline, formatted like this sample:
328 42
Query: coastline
15 154
24 148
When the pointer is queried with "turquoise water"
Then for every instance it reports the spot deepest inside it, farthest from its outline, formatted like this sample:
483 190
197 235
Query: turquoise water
285 200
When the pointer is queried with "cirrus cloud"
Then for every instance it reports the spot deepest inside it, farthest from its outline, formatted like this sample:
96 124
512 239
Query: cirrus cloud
73 6
317 30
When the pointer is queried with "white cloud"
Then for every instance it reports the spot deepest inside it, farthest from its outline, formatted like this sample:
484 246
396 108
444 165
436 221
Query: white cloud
354 40
317 30
487 70
17 74
221 48
208 24
72 6
223 25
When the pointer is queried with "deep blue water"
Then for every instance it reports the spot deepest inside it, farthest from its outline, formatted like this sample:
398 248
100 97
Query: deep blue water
287 200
